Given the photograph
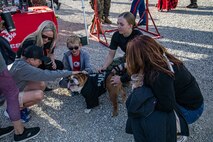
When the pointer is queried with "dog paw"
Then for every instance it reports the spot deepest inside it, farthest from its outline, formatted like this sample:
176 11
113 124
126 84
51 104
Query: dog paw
114 114
87 110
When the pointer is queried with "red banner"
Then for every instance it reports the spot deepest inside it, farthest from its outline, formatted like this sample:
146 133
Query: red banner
27 23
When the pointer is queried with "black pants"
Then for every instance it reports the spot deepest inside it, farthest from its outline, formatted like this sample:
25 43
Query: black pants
55 1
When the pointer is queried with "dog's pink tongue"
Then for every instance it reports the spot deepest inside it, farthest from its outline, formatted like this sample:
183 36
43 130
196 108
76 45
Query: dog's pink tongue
69 85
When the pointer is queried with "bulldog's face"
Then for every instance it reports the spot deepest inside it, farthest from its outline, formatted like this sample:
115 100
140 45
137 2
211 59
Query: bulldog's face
76 82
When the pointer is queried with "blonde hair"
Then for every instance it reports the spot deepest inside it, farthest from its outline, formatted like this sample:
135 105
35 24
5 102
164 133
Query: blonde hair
37 35
130 18
73 39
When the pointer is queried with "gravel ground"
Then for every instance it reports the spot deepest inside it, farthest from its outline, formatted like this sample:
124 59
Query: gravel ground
187 33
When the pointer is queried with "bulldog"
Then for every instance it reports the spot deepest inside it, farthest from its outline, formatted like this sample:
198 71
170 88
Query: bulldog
91 86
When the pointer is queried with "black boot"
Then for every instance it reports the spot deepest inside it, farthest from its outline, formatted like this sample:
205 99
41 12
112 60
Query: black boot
193 4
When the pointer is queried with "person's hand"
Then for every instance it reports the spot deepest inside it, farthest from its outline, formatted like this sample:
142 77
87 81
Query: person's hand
115 80
54 66
101 69
113 71
84 72
77 72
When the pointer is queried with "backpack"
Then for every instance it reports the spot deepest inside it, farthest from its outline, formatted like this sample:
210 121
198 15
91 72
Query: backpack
8 54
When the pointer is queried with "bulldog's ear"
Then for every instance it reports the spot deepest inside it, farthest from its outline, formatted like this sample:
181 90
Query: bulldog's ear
69 77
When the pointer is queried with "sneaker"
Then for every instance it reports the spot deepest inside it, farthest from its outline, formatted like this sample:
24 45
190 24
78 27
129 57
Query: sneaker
26 110
28 133
192 5
6 131
107 21
181 138
142 24
25 117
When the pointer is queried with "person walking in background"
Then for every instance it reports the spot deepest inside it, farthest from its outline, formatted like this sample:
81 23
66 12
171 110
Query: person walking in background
193 4
103 7
10 91
139 5
100 4
166 5
106 9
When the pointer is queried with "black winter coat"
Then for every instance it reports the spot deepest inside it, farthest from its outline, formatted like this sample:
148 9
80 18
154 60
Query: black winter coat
145 122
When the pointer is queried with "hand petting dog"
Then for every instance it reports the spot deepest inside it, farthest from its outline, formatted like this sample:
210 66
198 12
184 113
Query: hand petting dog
77 72
115 80
92 86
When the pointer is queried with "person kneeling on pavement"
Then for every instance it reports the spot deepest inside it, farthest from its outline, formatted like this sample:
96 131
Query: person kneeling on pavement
9 92
30 79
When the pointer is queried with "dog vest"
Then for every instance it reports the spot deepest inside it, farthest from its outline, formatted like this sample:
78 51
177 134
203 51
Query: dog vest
93 88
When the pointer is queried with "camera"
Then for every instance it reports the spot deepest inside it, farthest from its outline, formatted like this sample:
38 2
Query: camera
8 21
47 63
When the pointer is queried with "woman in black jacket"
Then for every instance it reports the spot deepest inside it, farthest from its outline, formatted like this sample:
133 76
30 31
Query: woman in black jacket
145 122
171 83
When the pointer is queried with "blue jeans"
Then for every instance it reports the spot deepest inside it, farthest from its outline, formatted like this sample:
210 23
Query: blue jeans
140 6
191 115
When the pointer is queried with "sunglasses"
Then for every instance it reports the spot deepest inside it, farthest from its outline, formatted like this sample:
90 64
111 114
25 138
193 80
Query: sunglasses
46 37
72 48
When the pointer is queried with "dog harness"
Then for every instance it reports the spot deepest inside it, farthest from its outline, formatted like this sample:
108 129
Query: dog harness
94 87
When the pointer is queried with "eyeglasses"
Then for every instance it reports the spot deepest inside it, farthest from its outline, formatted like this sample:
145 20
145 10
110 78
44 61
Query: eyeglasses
46 37
72 48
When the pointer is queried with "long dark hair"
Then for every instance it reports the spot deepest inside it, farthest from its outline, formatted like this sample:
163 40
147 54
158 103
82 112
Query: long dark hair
145 55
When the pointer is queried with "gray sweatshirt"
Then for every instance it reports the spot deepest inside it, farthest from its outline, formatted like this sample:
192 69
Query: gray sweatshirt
22 72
